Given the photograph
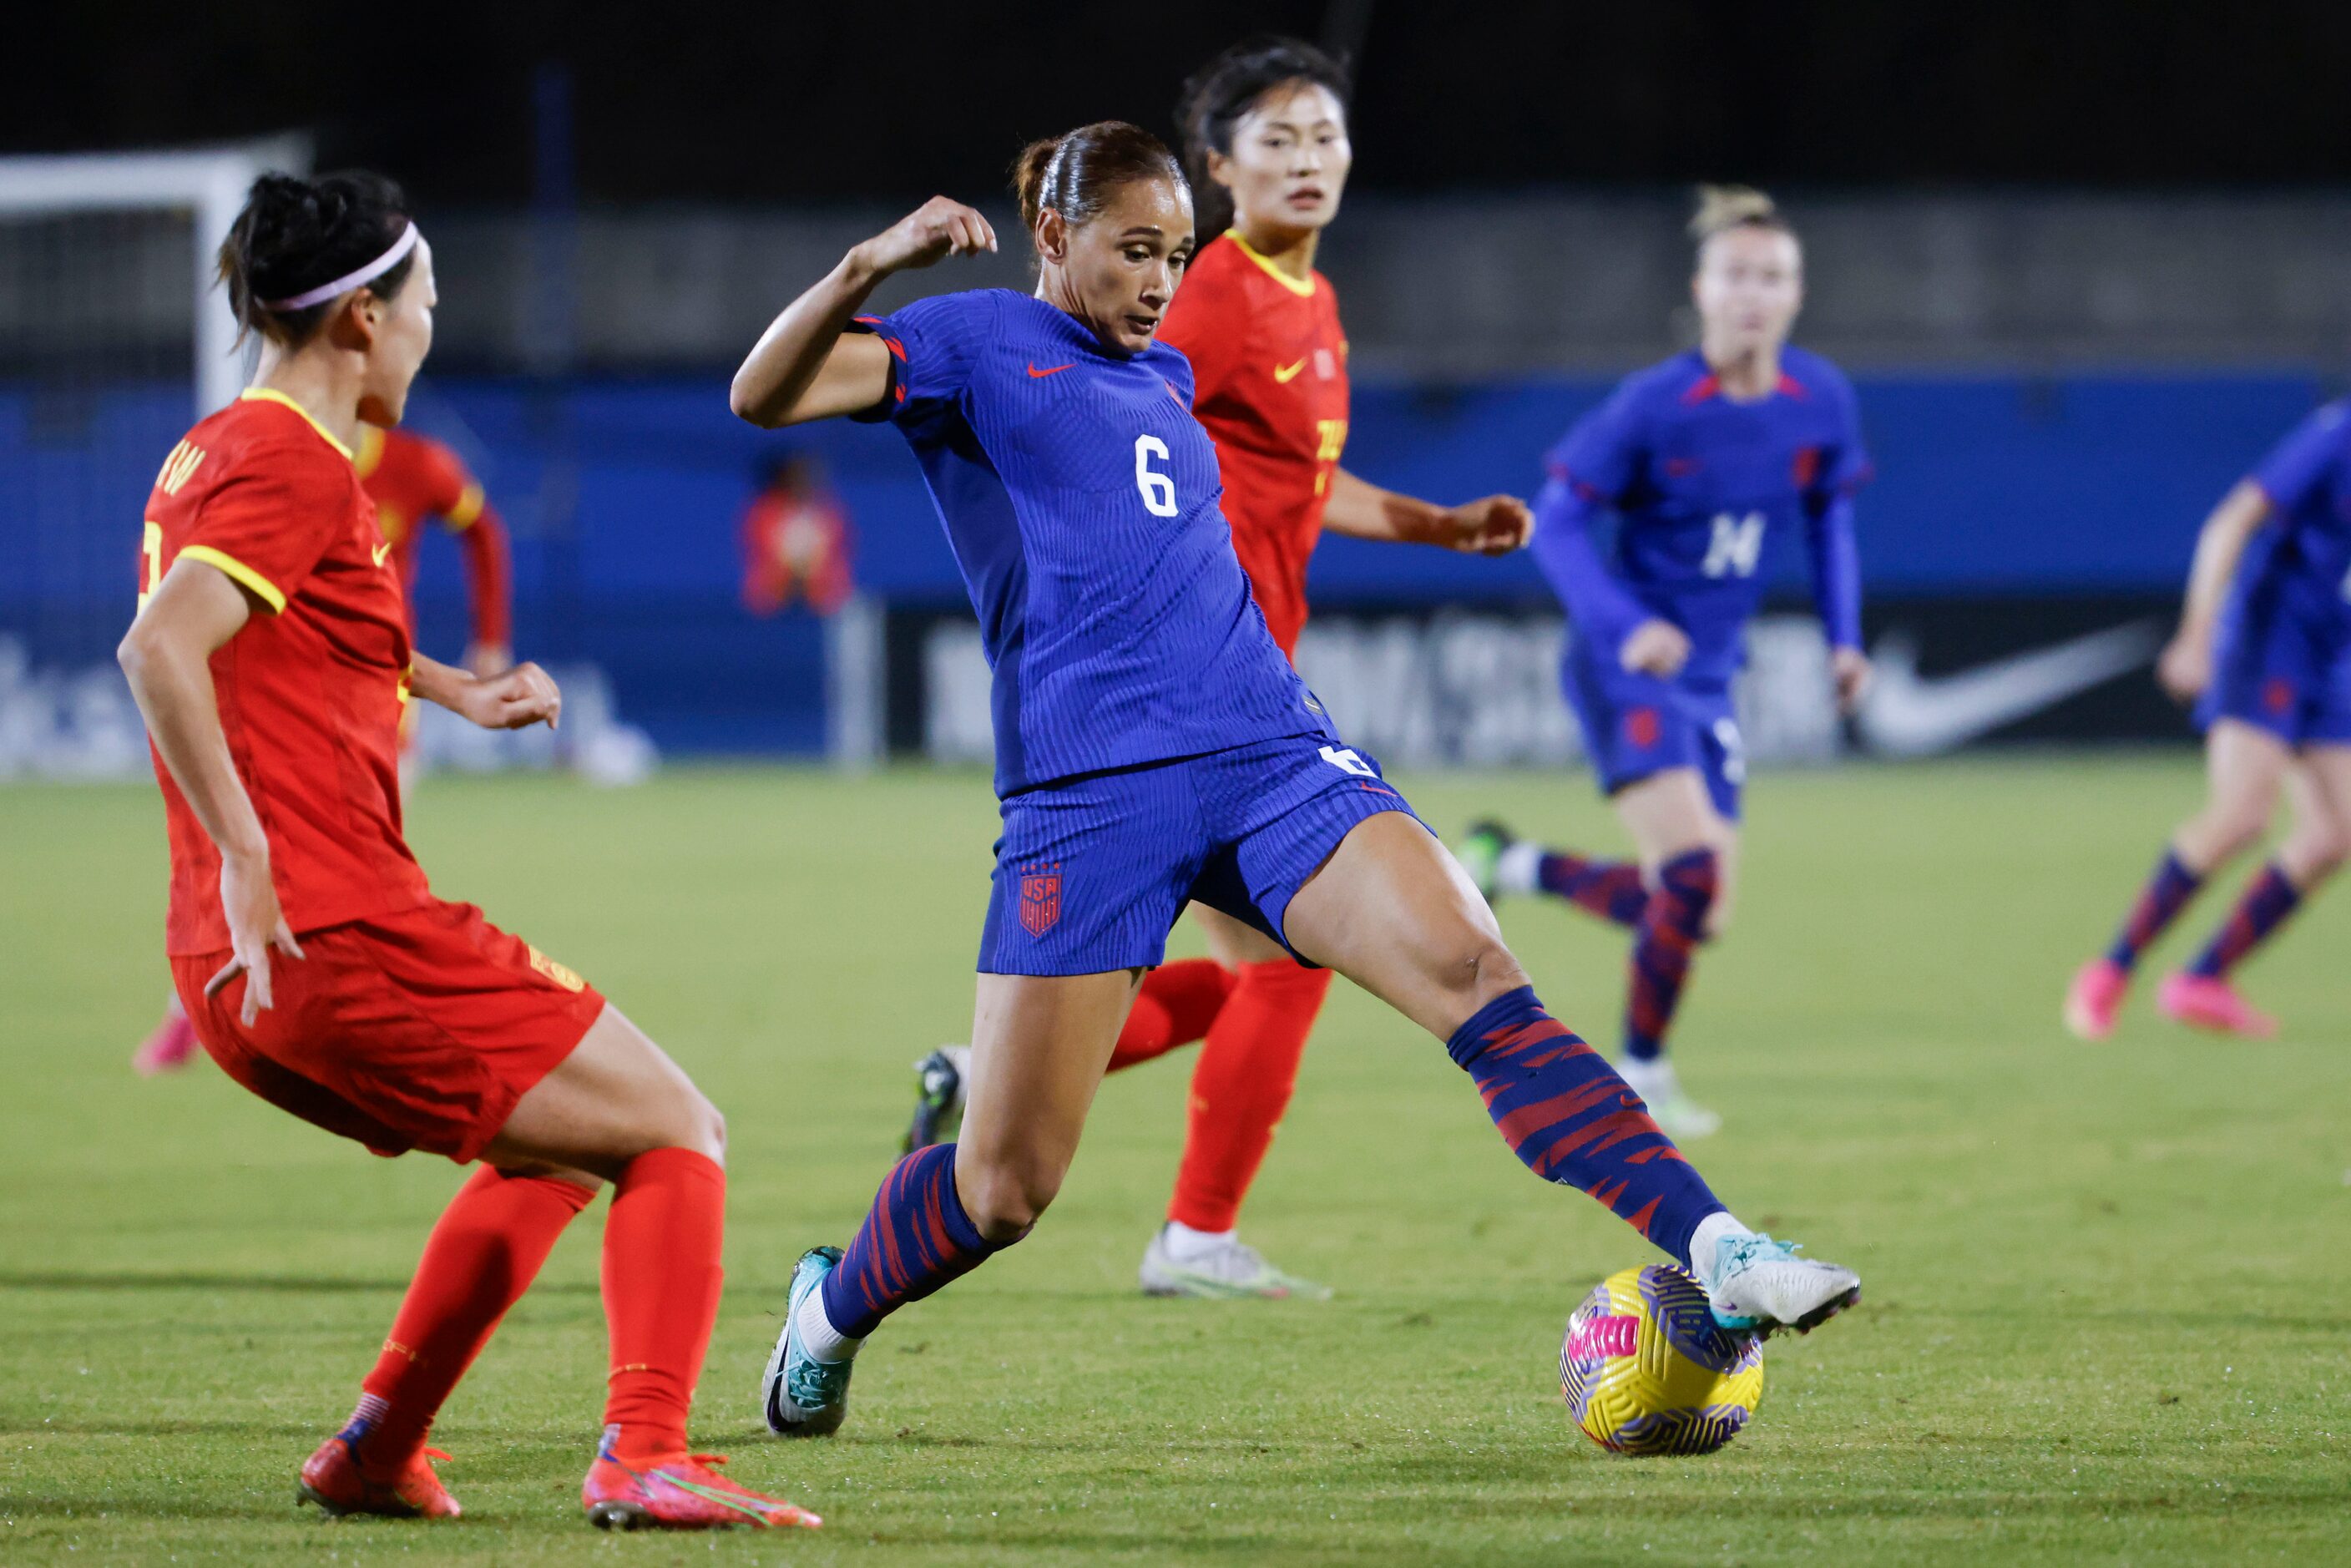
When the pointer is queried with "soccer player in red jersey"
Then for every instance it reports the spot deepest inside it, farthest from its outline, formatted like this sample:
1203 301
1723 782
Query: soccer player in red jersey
412 478
271 660
1265 128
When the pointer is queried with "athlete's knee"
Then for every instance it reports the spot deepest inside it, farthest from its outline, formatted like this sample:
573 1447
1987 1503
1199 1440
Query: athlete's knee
1006 1195
1486 968
689 1120
2225 828
2315 850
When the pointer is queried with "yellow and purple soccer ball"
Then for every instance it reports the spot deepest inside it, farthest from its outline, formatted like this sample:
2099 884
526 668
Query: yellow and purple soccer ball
1646 1370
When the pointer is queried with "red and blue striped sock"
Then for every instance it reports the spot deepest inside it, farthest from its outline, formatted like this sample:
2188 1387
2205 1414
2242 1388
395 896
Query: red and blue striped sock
1612 890
1673 923
2167 892
1564 1112
2265 908
915 1239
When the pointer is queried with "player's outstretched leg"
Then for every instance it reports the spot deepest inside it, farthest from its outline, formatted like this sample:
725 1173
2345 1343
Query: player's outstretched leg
2203 996
620 1109
1039 1046
2244 767
1175 1007
1393 913
481 1257
1502 864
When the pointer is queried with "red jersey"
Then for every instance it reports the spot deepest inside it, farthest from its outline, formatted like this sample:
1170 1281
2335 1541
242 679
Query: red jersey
413 477
795 544
310 694
1269 375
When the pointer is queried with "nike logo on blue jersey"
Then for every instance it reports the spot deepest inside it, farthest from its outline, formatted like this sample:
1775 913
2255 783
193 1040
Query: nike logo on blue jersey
1054 370
1906 715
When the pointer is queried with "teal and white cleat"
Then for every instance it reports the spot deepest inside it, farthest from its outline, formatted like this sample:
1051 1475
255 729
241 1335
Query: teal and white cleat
1481 854
801 1396
941 1079
1754 1284
1230 1271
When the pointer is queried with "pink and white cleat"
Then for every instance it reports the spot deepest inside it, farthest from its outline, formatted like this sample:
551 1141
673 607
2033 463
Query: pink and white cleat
2095 997
169 1047
2209 1002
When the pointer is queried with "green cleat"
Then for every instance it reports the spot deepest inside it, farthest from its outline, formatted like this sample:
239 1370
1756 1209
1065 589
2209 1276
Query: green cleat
1481 854
801 1396
1231 1272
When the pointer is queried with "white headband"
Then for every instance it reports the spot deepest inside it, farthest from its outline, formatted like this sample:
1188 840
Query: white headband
367 274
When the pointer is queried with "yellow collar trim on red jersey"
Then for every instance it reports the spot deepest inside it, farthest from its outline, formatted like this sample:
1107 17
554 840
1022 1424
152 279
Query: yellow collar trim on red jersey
1304 290
371 451
271 394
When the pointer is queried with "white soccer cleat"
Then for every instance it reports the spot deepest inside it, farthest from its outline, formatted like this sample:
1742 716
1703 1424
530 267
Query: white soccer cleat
1759 1285
1229 1270
1671 1106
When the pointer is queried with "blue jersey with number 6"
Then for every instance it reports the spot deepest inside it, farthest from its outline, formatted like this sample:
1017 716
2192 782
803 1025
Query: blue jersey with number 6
1079 496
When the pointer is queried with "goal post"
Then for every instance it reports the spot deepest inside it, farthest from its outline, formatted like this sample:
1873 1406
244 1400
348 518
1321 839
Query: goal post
208 185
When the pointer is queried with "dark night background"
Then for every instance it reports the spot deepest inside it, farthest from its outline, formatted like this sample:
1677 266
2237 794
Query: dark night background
800 102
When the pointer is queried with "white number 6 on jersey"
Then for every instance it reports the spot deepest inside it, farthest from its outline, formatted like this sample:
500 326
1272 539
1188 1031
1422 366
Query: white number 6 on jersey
1158 489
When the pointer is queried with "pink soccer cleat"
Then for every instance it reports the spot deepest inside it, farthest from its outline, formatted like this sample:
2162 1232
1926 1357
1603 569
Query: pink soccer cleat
2095 997
680 1491
2207 1001
171 1046
334 1481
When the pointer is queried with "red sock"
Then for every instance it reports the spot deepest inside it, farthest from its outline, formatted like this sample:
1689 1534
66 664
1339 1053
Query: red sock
662 1275
1175 1007
1241 1086
482 1256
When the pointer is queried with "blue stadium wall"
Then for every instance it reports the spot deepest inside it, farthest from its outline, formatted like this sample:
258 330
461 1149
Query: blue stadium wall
2023 498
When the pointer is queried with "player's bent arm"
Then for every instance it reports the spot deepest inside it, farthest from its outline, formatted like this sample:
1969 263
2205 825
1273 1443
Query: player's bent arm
2219 547
1494 525
1603 610
803 368
1837 570
167 658
511 699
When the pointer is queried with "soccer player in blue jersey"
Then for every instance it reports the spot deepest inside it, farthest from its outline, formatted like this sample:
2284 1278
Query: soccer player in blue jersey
1700 462
2264 652
1153 748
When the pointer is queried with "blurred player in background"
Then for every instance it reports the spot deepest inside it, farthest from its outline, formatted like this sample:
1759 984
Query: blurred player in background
270 658
414 478
2264 652
410 478
1265 130
1701 461
1153 748
797 542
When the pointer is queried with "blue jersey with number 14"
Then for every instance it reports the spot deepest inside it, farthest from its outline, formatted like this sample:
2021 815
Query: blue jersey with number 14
1700 484
1079 496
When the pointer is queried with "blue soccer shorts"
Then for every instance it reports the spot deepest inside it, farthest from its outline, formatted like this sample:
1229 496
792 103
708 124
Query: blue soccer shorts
1638 726
2273 674
1092 873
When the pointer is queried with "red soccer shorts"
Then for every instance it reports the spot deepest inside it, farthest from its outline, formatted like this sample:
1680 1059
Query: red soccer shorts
415 1030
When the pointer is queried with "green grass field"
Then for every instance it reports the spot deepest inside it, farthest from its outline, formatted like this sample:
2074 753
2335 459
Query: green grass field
2106 1312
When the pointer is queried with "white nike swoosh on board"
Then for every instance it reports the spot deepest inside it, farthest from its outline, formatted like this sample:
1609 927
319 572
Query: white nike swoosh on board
1905 714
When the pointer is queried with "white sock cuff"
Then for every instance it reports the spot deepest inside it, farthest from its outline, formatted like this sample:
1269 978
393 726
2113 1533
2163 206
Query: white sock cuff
1518 868
818 1336
1707 1236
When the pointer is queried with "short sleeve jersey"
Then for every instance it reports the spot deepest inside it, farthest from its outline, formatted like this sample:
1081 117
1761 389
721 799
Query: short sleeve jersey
2299 566
311 688
1079 496
1701 485
1269 384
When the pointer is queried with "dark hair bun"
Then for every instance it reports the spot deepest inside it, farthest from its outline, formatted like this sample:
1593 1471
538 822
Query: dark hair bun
294 234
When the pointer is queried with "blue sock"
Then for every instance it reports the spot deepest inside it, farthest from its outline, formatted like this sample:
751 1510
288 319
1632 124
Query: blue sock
1671 927
1564 1110
914 1239
2167 893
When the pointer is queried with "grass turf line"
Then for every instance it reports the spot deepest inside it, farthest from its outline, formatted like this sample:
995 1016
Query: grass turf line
2104 1317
